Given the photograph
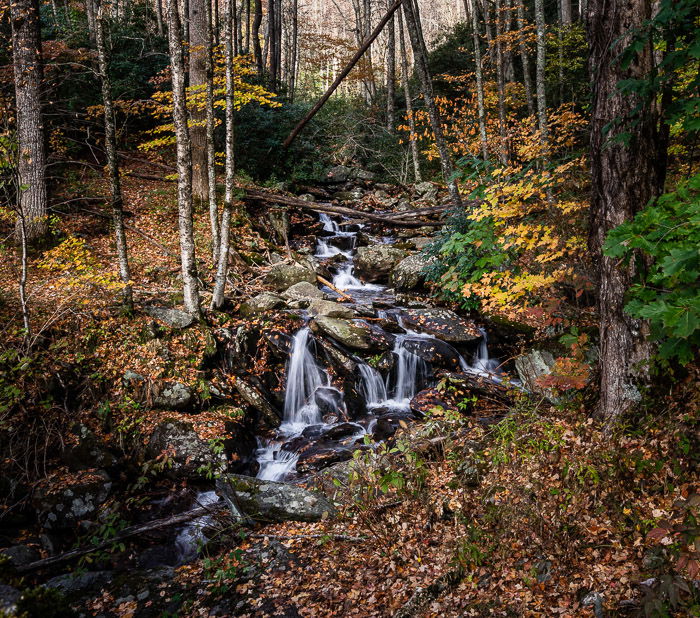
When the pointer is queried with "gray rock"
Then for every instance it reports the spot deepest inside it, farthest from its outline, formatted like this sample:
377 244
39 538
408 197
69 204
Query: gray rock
72 582
442 324
21 555
409 273
284 276
89 452
434 351
533 365
307 197
267 501
420 242
173 396
174 318
303 291
338 173
262 303
360 174
427 191
356 335
269 416
344 196
67 507
8 600
376 263
190 456
330 309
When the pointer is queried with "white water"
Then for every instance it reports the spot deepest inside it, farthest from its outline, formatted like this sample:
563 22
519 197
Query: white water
409 373
191 538
326 250
346 280
373 387
275 463
304 377
328 224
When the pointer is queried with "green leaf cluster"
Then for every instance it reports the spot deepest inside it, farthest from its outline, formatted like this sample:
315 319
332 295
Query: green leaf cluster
667 294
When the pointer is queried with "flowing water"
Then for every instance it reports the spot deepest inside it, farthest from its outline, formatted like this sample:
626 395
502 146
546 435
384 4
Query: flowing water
192 537
309 387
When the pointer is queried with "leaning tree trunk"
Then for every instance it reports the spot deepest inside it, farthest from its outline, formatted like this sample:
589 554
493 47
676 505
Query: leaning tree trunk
218 297
624 179
421 66
198 79
184 163
113 161
28 73
409 103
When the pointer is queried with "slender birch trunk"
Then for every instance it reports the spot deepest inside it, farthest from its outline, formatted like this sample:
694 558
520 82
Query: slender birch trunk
113 161
539 73
294 51
476 39
421 65
218 297
409 103
211 151
198 79
184 163
391 75
503 150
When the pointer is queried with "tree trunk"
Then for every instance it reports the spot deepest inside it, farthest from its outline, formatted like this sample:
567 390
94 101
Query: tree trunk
476 40
272 42
257 52
294 50
409 103
113 161
624 179
28 74
218 297
565 8
90 14
540 74
421 66
391 75
198 80
247 26
524 58
184 163
211 151
159 17
503 150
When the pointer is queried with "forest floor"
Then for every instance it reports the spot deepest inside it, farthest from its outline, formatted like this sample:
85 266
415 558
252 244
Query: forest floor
544 513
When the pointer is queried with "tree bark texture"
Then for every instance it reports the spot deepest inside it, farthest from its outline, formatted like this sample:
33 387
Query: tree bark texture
391 75
503 150
524 59
624 179
476 40
421 66
28 74
198 79
415 155
184 163
113 161
257 51
211 150
218 297
540 69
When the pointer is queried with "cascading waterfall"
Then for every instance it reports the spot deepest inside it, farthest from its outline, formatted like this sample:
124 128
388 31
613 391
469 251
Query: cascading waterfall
304 377
328 224
482 362
410 371
373 387
192 538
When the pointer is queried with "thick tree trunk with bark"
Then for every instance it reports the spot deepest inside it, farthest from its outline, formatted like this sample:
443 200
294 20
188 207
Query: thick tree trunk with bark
503 151
198 79
257 51
218 297
421 65
540 70
476 40
184 163
211 151
565 10
113 161
415 155
159 17
624 179
28 74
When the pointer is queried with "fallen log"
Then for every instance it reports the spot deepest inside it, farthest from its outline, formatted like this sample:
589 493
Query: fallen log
328 284
127 533
404 221
483 387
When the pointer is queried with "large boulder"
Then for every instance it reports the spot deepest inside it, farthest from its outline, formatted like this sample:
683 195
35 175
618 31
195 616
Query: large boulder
330 309
354 334
376 263
267 501
262 303
303 291
434 351
173 396
442 324
409 273
87 451
80 499
257 400
532 366
426 191
189 455
174 318
283 276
